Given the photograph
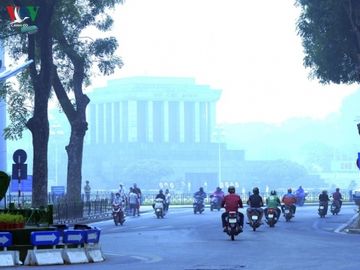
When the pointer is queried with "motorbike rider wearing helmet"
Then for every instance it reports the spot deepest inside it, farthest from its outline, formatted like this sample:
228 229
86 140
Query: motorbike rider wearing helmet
232 202
324 200
217 195
255 201
273 201
160 195
201 195
289 199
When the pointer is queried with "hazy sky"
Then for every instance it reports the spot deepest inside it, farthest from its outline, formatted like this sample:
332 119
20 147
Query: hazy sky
249 49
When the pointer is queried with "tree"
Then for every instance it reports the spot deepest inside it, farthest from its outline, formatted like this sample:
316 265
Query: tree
38 48
70 70
330 32
73 59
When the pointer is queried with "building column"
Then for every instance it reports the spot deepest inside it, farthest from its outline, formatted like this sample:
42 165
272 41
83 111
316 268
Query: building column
166 122
132 118
116 122
100 123
211 119
108 123
93 124
124 121
158 121
203 122
181 121
197 122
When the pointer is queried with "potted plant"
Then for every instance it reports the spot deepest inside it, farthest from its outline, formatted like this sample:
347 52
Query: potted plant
10 221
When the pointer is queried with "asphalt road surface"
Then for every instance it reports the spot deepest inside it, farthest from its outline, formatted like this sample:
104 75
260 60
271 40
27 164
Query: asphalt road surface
184 241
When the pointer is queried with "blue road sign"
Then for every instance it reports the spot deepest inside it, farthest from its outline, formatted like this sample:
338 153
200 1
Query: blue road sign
45 238
74 236
25 186
19 156
58 190
5 239
92 236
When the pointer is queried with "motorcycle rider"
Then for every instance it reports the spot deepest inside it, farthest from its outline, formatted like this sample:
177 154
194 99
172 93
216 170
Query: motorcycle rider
200 194
232 202
324 200
218 195
118 202
255 201
160 195
300 196
289 199
337 197
273 201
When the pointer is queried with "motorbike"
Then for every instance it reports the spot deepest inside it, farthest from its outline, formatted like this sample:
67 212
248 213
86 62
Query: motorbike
254 219
322 209
198 205
271 217
159 208
233 224
215 203
288 213
335 207
118 214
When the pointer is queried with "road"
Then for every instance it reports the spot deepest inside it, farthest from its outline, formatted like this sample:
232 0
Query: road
184 241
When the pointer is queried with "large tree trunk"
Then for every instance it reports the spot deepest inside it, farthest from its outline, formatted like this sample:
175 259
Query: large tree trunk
39 124
75 153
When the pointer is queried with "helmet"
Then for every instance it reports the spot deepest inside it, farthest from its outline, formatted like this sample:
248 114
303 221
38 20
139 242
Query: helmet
117 194
324 192
160 191
289 190
337 189
201 189
231 189
218 188
273 192
256 190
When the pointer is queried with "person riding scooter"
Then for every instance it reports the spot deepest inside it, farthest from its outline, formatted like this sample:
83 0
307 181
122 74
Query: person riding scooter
324 200
232 202
217 197
273 201
337 197
255 202
289 200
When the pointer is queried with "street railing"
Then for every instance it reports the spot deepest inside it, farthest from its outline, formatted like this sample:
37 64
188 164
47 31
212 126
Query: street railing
100 204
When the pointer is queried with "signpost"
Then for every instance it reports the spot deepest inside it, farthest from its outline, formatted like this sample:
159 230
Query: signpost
19 169
45 238
5 239
92 236
76 237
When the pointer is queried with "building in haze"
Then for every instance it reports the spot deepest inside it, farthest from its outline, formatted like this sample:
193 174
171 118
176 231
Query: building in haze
170 122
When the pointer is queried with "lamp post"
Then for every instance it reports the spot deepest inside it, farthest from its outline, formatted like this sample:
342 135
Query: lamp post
218 136
4 75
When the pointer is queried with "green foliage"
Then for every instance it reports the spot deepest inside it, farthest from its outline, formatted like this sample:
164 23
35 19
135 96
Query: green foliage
11 219
4 184
71 18
331 39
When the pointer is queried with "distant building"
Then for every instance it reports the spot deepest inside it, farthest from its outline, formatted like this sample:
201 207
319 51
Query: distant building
169 120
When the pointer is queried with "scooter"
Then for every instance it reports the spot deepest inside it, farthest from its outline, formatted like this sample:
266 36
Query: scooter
198 205
118 214
215 203
271 216
288 213
322 209
233 224
159 208
335 207
254 219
